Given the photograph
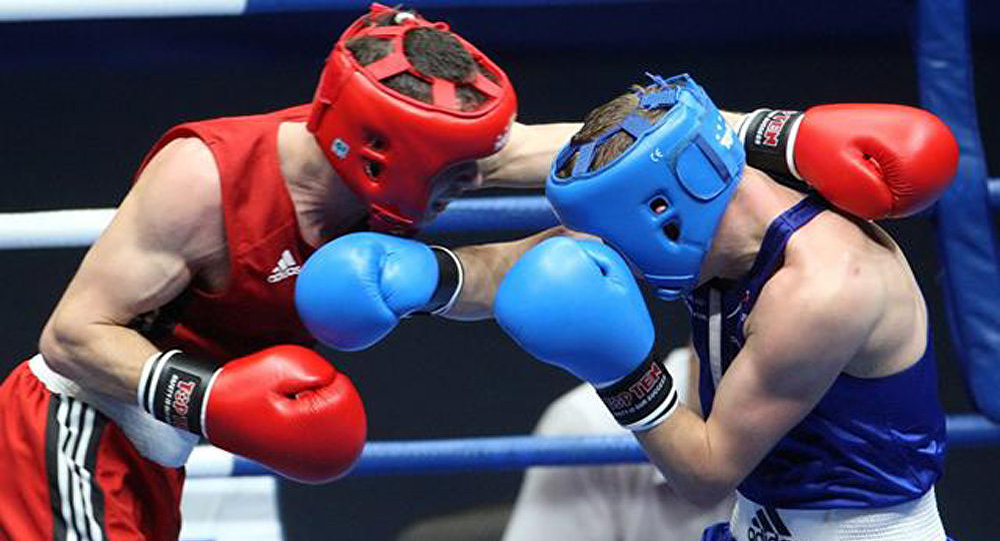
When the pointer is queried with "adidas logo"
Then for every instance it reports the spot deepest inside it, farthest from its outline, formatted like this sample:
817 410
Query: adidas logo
768 526
286 268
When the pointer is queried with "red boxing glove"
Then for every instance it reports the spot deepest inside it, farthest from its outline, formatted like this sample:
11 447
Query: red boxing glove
871 160
285 407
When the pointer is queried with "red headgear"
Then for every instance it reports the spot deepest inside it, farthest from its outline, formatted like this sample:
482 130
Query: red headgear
387 146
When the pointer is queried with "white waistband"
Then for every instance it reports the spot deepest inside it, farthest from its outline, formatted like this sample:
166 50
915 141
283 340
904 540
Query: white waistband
159 442
917 520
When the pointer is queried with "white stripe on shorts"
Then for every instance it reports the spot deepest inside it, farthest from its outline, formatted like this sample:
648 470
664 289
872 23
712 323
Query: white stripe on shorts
75 482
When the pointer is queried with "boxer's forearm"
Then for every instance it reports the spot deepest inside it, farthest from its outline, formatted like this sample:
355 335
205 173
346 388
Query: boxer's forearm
484 266
168 225
682 449
525 161
733 119
106 358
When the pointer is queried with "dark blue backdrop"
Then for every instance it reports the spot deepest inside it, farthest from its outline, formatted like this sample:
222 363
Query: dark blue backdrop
83 102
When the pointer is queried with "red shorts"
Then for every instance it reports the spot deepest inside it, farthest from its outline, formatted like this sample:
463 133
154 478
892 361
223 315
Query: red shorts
67 473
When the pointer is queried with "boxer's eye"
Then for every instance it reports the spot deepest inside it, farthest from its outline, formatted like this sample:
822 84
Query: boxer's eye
672 231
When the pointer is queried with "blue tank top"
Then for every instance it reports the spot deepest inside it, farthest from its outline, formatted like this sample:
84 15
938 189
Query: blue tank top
869 442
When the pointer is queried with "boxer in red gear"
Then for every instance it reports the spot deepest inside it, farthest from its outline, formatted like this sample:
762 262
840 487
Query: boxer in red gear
872 160
202 257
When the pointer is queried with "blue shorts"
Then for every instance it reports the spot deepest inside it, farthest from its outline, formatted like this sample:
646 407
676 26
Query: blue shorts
720 532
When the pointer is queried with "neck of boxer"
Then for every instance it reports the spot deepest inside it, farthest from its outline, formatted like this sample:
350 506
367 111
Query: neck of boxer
325 206
756 203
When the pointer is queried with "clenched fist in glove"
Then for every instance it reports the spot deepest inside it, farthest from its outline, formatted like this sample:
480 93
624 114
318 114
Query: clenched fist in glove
354 290
871 160
575 304
285 407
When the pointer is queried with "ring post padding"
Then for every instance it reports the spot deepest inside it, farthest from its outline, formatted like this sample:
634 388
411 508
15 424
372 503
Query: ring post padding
966 240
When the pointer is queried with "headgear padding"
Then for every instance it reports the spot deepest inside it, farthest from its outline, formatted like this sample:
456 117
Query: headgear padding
388 147
659 202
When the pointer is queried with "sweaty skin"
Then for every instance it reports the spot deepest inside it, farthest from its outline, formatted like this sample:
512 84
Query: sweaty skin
169 233
845 300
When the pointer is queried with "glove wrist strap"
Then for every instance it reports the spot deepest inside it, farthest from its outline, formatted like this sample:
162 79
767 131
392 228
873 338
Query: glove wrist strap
768 137
644 398
174 389
451 276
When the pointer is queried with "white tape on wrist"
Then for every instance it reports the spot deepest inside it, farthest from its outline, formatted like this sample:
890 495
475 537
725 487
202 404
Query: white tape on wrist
458 288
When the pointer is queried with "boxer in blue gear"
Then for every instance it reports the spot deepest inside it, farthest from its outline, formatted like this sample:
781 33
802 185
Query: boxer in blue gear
817 382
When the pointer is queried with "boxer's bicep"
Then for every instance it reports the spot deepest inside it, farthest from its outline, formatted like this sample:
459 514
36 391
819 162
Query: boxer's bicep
802 338
167 224
145 258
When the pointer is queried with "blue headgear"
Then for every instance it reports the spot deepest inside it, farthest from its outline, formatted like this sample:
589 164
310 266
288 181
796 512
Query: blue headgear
660 202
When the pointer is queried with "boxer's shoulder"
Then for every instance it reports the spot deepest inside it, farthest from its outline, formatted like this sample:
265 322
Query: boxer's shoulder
186 167
817 307
178 197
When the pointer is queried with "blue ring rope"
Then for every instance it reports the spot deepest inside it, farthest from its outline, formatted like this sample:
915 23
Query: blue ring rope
506 453
494 214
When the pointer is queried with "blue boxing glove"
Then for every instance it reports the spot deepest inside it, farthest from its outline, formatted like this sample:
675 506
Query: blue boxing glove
575 304
354 290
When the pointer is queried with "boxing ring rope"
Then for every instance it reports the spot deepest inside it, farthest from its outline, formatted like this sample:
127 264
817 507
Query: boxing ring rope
80 227
47 10
506 453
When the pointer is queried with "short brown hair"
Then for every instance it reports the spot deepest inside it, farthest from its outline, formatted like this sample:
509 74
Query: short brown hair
432 52
603 118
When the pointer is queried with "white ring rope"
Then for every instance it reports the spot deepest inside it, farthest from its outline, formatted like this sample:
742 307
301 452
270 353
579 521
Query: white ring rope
81 227
52 228
48 10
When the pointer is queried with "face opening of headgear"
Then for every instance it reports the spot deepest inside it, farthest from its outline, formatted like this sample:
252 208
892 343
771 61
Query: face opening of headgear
389 147
660 202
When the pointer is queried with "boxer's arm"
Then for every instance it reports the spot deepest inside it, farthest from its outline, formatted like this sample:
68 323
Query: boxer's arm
485 265
168 224
525 160
733 119
801 336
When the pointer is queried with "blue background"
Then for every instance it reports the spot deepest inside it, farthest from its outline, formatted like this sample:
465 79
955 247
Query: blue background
83 101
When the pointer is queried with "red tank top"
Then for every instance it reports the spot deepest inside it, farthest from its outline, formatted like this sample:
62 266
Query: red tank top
257 308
